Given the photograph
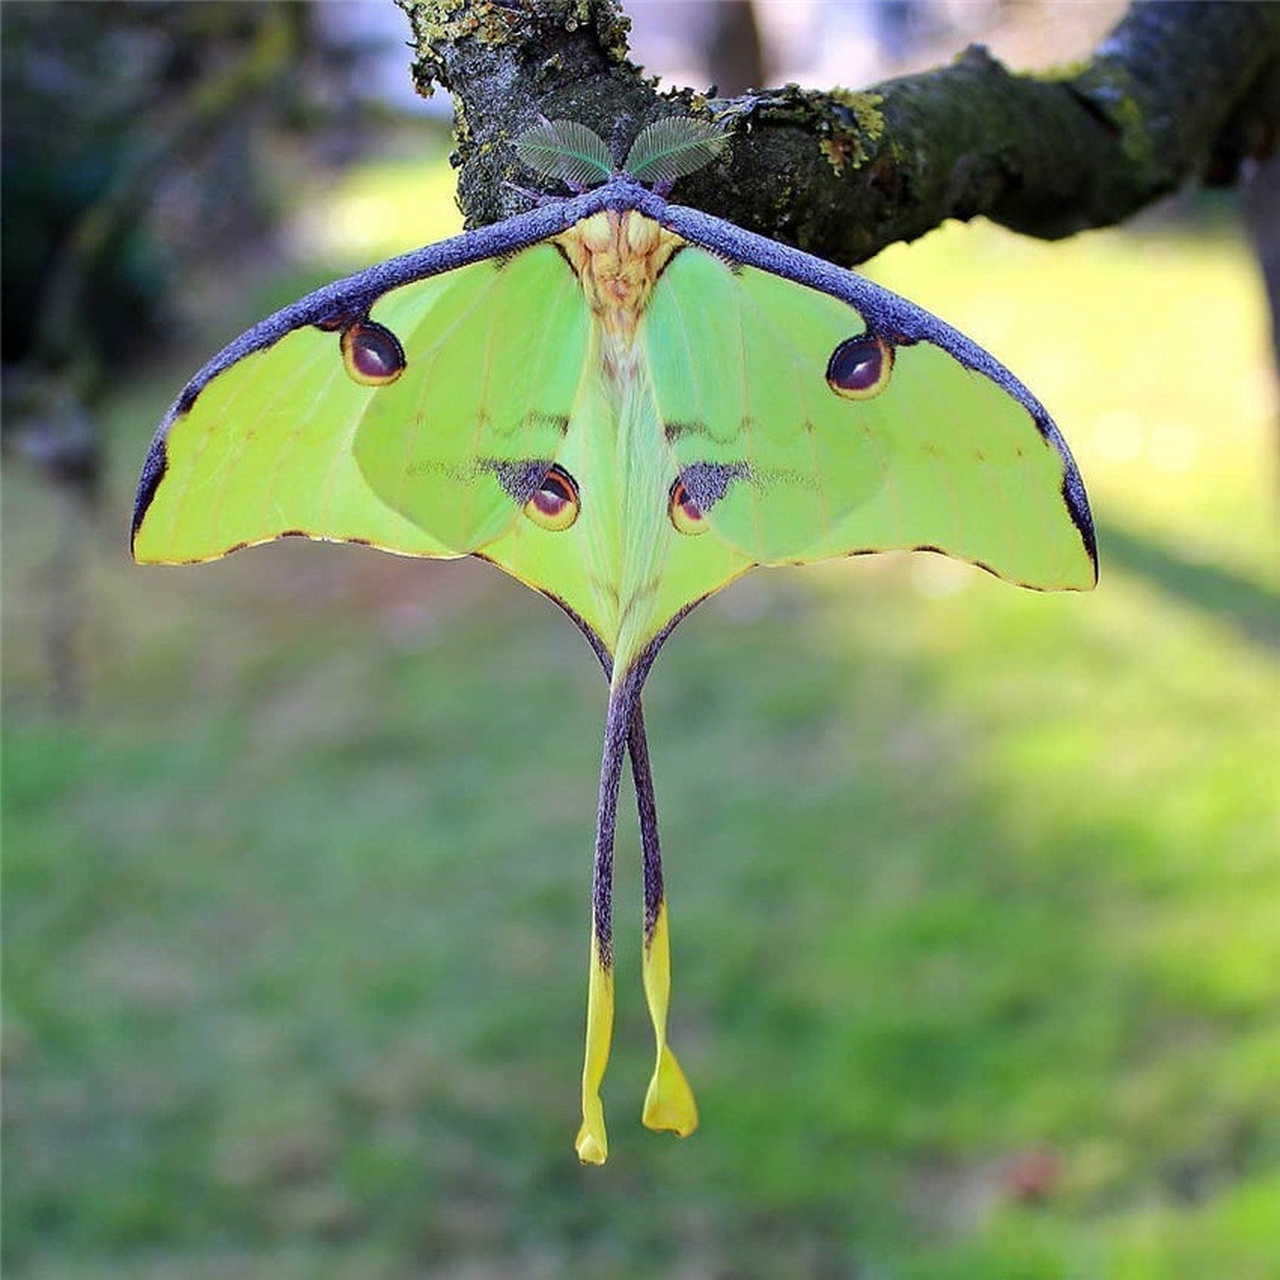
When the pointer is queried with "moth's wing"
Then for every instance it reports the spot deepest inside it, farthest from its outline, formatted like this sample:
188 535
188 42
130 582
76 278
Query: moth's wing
275 437
941 449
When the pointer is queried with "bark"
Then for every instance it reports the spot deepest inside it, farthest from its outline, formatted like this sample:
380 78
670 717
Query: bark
1179 92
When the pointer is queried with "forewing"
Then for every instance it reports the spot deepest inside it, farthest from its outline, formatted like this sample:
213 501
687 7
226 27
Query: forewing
938 453
438 461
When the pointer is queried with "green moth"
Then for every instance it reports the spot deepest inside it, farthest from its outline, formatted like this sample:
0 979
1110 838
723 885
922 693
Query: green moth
625 404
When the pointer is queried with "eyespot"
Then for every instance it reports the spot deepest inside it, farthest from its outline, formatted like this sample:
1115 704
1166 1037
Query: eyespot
371 354
555 503
860 367
685 513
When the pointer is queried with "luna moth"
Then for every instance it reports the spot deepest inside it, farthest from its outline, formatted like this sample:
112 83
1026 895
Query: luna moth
626 405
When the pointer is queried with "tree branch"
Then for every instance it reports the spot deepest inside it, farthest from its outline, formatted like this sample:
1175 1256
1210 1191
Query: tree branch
1178 92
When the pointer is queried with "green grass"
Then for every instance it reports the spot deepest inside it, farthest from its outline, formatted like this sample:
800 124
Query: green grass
974 891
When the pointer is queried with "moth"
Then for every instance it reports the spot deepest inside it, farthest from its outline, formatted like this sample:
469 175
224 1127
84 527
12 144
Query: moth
626 405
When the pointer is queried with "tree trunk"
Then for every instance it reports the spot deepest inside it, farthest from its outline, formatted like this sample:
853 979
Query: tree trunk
1178 92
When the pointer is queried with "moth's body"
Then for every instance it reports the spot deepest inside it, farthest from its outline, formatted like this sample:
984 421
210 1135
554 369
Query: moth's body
615 449
618 255
626 405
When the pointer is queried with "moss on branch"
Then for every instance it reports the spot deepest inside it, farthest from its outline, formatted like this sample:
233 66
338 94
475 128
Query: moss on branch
1178 92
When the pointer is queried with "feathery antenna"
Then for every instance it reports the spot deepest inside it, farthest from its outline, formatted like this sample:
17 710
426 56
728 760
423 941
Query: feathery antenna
672 148
566 150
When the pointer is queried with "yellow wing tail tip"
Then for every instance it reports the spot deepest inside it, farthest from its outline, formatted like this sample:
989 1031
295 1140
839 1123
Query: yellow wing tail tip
669 1106
592 1143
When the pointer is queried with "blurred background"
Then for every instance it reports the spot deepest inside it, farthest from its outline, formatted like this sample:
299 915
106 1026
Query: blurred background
974 891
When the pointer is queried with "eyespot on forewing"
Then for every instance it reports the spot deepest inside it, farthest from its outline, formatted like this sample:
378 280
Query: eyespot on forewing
860 367
372 354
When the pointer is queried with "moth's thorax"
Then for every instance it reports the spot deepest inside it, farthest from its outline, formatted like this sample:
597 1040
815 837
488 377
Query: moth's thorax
618 256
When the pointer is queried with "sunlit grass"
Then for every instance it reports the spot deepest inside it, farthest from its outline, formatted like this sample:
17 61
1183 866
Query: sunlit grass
380 210
973 890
